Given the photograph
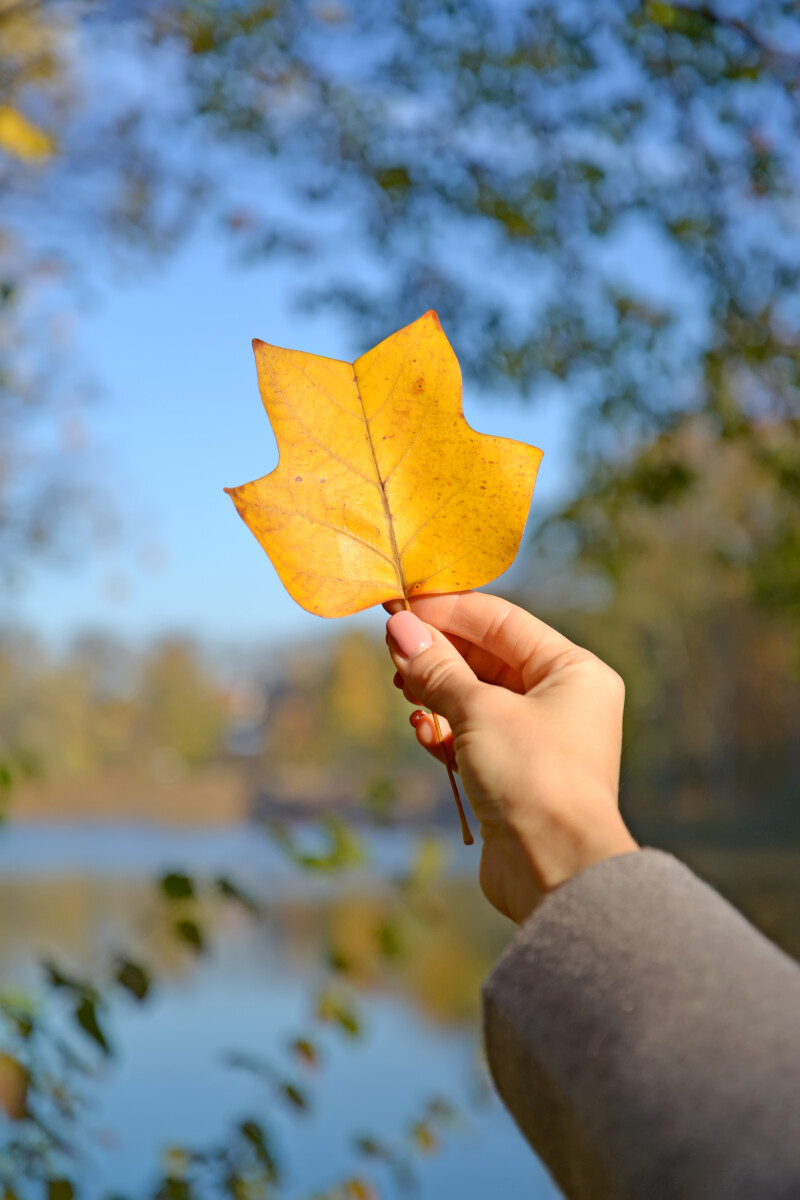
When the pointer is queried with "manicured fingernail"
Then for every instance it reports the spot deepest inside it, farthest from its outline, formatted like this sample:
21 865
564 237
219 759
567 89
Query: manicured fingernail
425 734
398 680
416 717
409 634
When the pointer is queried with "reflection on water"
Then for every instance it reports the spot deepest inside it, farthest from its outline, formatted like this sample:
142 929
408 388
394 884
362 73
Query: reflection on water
413 961
79 896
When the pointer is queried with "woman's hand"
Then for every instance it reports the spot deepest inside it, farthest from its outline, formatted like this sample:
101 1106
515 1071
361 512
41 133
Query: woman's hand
533 724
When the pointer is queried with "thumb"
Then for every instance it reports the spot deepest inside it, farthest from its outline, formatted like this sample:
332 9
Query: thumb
431 667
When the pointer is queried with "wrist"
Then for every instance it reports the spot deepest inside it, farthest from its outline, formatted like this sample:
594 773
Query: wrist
574 838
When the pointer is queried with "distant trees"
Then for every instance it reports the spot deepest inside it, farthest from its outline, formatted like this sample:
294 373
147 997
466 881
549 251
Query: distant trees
677 570
599 198
101 706
103 713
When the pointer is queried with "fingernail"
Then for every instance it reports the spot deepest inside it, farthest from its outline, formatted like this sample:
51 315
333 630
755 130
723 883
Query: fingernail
409 634
426 734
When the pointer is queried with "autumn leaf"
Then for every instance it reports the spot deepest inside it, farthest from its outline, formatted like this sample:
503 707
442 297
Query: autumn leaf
14 1084
382 490
306 1051
20 138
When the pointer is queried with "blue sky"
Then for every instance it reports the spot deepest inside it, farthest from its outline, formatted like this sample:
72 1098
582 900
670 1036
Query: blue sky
179 419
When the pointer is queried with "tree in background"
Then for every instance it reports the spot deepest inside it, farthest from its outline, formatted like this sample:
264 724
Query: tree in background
89 719
599 198
663 586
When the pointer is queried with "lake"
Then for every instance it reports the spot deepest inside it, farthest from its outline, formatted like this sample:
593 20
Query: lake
405 939
390 952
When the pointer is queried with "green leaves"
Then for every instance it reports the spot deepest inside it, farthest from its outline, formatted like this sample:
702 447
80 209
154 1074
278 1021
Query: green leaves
336 1007
190 932
393 179
177 886
86 1016
131 976
189 903
181 894
286 1089
342 849
16 765
86 1002
390 939
174 1188
253 1133
57 978
244 1163
232 891
134 978
60 1189
305 1051
294 1095
424 1137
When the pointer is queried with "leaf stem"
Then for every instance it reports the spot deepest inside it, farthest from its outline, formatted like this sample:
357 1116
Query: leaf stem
466 832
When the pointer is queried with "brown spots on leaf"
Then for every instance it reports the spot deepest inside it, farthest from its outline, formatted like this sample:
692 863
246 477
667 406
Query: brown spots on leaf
436 517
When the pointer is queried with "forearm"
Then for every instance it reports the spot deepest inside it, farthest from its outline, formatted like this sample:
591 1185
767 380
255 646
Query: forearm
647 1039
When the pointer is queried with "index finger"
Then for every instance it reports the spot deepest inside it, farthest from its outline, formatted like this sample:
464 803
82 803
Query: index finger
527 644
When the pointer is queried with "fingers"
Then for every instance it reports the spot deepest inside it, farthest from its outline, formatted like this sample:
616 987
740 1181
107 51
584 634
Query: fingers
400 684
429 740
432 669
498 628
487 666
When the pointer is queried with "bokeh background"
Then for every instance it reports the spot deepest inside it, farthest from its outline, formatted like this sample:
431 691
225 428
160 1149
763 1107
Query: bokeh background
240 945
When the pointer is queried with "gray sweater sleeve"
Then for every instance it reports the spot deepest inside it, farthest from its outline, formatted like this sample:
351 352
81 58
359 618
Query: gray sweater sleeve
646 1040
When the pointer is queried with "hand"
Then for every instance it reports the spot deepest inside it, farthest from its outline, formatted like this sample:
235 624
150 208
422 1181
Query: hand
532 722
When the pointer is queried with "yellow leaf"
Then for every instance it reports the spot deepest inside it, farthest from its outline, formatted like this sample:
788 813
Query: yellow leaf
382 490
359 1189
14 1083
21 138
424 1138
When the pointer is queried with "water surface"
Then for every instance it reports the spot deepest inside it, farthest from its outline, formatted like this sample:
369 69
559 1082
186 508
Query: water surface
83 894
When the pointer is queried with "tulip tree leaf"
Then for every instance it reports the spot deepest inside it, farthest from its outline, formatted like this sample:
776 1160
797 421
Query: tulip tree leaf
382 491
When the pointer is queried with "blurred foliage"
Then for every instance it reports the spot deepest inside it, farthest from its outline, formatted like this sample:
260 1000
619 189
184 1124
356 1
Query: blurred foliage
54 1041
180 703
334 704
100 706
318 724
658 567
341 848
599 198
443 940
601 201
534 134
